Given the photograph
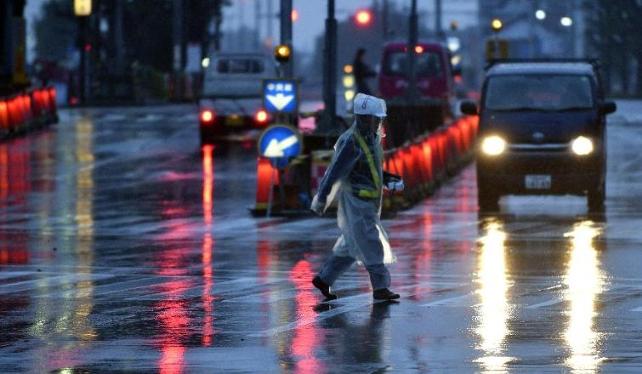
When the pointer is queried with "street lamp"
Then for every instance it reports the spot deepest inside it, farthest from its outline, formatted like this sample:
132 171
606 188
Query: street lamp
496 25
82 10
540 14
566 21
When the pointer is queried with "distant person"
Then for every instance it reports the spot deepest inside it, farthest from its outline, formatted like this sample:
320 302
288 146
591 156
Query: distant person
362 72
356 175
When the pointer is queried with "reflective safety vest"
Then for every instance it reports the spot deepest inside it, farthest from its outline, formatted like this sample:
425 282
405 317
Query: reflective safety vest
366 193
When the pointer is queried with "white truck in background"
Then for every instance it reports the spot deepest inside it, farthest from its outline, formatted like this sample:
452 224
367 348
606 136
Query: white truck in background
231 98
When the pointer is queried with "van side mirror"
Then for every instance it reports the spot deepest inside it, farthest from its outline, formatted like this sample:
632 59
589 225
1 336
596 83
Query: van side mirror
468 107
608 107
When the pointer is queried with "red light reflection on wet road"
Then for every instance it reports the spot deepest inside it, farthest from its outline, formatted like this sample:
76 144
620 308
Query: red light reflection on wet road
306 337
208 245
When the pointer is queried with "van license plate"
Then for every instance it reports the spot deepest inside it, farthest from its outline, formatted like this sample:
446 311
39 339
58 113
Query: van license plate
538 182
234 120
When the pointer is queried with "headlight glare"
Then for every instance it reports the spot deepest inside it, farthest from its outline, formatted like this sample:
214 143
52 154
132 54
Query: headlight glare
493 145
582 146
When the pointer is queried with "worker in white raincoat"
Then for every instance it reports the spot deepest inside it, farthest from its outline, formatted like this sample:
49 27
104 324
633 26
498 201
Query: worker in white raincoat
356 175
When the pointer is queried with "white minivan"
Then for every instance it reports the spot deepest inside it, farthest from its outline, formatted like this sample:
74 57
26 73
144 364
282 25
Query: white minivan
231 98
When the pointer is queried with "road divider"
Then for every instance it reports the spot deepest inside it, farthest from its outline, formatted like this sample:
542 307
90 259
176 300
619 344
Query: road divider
423 163
27 111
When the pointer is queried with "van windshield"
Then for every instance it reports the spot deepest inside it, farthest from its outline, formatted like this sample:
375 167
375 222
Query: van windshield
539 92
428 64
239 66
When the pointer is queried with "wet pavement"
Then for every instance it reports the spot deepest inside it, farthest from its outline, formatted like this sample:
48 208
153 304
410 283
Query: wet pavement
126 247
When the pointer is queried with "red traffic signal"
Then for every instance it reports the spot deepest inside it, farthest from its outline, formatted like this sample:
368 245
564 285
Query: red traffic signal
363 17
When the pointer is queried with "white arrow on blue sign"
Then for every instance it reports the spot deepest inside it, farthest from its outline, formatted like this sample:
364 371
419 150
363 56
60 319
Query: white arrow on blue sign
280 96
280 143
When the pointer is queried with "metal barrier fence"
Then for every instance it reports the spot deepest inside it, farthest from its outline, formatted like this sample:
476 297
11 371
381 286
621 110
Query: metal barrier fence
27 110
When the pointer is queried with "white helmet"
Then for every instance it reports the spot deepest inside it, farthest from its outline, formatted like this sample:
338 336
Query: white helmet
369 105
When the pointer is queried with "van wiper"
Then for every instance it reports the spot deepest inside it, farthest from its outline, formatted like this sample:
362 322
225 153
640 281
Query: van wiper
521 109
572 108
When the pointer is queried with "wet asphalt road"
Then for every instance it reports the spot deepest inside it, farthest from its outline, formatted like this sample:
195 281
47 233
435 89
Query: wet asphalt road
125 247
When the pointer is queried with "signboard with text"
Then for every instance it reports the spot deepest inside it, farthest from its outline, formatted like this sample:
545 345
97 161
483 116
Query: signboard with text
280 96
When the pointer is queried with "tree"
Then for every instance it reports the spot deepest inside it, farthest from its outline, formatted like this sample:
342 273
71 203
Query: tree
56 31
613 36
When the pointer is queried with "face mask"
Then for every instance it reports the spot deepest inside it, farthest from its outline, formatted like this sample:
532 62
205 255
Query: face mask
380 130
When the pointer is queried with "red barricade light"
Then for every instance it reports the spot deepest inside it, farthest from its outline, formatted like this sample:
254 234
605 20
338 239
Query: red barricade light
419 49
261 117
4 116
52 99
427 154
207 117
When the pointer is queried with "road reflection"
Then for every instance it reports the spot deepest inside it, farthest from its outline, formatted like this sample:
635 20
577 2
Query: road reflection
306 337
64 303
208 246
494 310
353 341
584 282
15 185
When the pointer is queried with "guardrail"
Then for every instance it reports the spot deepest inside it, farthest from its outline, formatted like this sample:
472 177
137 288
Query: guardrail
423 163
27 110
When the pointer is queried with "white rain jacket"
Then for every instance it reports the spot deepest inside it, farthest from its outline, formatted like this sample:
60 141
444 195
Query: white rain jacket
355 176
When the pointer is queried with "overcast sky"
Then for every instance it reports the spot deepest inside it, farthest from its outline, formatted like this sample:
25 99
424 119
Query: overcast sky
312 14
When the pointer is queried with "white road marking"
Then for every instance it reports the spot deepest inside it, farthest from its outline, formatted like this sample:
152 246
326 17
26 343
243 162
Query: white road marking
448 300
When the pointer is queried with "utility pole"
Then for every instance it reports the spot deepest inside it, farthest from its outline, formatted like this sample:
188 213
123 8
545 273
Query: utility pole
411 91
330 70
239 33
119 47
286 36
177 29
384 20
218 9
270 23
439 32
257 24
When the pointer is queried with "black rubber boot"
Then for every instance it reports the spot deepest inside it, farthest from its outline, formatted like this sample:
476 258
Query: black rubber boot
324 288
384 294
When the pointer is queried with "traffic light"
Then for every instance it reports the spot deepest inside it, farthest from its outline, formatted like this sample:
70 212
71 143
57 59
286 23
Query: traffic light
363 18
282 53
496 24
295 15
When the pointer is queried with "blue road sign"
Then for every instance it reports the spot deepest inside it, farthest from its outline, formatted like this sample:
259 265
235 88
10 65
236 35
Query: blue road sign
280 96
280 143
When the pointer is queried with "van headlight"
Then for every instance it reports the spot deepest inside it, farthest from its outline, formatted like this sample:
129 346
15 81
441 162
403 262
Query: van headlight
582 146
493 145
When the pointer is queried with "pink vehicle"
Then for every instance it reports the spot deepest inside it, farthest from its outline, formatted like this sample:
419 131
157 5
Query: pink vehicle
434 72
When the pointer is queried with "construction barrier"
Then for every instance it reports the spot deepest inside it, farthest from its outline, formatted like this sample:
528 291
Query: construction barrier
28 110
428 161
423 163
